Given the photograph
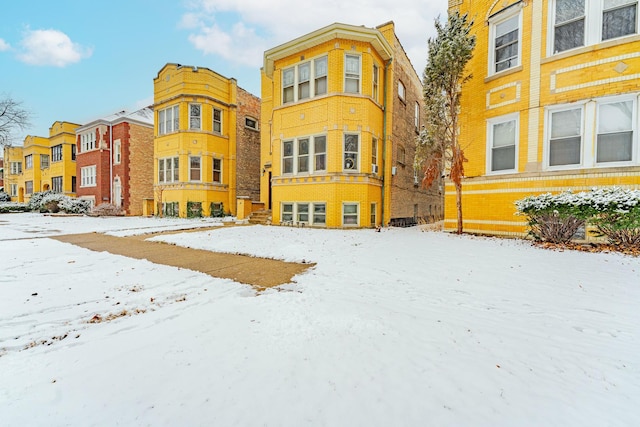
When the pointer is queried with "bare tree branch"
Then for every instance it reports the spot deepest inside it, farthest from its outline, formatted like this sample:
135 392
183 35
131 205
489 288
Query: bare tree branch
12 118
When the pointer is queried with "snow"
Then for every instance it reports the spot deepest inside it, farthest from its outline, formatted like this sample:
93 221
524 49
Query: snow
396 328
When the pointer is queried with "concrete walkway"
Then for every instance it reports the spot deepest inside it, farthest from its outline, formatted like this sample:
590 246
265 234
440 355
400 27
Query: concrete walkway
259 272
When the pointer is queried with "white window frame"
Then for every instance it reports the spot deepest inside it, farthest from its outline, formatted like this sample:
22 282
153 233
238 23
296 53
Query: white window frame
169 120
170 169
402 91
586 134
214 170
356 214
416 116
494 21
217 121
15 168
491 123
375 78
298 209
312 80
311 155
28 161
353 76
13 190
88 141
193 169
44 161
195 120
88 176
593 21
251 123
57 153
373 214
54 187
28 187
374 155
117 152
345 164
634 128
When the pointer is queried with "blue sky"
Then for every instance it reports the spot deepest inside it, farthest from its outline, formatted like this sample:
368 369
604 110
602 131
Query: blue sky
76 61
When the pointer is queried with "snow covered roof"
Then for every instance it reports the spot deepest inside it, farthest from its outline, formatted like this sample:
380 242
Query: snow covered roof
143 116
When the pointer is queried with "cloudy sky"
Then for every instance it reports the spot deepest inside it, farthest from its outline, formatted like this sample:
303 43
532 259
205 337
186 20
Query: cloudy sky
76 60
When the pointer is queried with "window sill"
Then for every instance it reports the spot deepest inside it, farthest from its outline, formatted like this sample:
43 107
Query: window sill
590 48
503 73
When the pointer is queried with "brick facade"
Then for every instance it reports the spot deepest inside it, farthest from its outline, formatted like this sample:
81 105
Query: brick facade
248 146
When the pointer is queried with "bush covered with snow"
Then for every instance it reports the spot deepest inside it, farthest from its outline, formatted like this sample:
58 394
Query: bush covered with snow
106 209
4 197
613 212
49 201
6 207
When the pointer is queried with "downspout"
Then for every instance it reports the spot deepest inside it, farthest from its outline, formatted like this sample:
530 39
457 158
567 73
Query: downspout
111 163
384 138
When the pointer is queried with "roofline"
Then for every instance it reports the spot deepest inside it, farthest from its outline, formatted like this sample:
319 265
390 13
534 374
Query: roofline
330 32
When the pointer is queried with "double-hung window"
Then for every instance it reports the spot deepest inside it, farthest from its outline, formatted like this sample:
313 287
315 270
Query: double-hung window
168 170
56 184
350 214
616 131
504 46
502 134
568 30
217 171
304 83
217 120
28 161
28 187
88 141
16 168
194 168
56 153
304 80
13 190
619 18
320 76
565 137
374 155
168 120
195 116
117 152
44 161
375 77
304 155
88 176
352 74
304 213
351 152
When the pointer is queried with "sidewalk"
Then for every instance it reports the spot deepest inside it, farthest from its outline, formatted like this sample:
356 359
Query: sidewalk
259 272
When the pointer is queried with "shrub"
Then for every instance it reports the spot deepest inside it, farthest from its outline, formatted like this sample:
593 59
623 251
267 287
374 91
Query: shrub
612 211
106 209
194 209
4 197
48 201
216 209
6 207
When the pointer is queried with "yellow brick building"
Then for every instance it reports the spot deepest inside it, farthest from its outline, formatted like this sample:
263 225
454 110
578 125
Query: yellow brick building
341 108
552 105
206 133
42 164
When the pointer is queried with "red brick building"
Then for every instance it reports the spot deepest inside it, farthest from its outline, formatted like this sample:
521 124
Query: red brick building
115 160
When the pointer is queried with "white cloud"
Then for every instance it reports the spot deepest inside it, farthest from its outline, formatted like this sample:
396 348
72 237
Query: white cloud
51 47
4 45
241 30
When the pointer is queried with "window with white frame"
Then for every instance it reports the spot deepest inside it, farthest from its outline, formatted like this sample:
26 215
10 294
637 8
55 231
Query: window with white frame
28 161
88 141
56 153
169 120
304 213
217 171
287 212
401 91
374 154
578 23
375 77
565 137
217 120
616 131
373 215
251 123
117 152
352 74
28 187
504 46
88 176
168 170
44 161
297 155
195 116
297 80
416 117
13 190
402 154
350 214
56 184
15 168
351 152
194 168
502 135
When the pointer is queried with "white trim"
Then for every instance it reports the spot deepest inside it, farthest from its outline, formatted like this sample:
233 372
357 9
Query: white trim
515 117
357 204
495 20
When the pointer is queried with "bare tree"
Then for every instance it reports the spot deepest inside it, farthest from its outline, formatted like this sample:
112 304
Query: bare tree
438 147
12 117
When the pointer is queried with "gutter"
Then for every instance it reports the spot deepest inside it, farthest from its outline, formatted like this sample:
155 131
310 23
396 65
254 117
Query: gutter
385 181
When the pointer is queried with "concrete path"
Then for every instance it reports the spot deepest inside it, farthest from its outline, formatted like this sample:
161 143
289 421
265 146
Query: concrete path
259 272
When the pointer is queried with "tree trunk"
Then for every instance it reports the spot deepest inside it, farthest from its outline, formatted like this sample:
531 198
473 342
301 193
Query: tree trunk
458 186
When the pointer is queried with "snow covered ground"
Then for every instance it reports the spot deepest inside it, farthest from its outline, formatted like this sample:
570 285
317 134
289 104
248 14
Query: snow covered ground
397 328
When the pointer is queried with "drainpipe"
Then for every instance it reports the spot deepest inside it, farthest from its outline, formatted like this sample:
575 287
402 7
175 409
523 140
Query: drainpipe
385 179
111 163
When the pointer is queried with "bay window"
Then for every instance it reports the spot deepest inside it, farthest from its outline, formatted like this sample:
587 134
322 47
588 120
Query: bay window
297 80
304 155
168 120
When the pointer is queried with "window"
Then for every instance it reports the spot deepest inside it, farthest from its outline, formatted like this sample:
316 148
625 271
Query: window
88 141
56 153
350 214
195 116
168 120
217 171
88 176
373 215
296 80
581 23
505 47
44 161
502 137
352 74
56 184
73 184
287 212
568 31
298 153
28 187
401 91
375 77
117 152
319 213
305 213
73 152
16 168
251 123
13 190
168 170
565 140
28 161
416 117
374 151
615 137
217 120
351 149
171 209
194 168
401 155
